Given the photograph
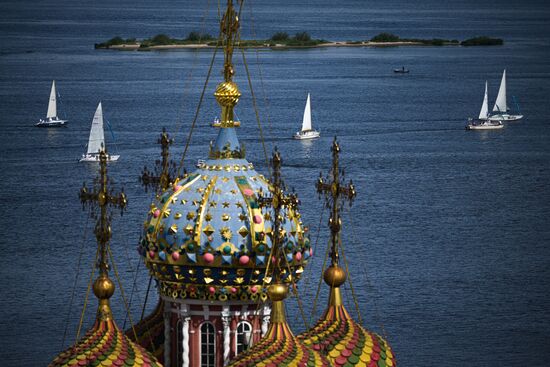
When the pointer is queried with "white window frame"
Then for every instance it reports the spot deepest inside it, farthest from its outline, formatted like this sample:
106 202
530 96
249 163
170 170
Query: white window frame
238 333
213 345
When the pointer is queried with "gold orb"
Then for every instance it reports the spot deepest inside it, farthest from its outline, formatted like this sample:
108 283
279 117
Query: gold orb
104 287
334 276
227 94
277 292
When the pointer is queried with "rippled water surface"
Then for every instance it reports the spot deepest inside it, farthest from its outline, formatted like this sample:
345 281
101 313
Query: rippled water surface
448 239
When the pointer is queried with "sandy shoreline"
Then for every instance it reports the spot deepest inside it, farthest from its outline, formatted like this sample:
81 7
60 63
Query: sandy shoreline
136 46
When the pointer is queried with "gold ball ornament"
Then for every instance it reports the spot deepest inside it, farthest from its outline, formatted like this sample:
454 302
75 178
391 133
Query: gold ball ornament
334 276
227 94
104 287
277 292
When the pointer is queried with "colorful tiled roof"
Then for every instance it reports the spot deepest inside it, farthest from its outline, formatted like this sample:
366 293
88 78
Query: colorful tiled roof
279 347
347 343
105 345
150 332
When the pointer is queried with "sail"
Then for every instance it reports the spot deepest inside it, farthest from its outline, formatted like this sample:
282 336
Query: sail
97 138
500 103
306 123
52 104
484 113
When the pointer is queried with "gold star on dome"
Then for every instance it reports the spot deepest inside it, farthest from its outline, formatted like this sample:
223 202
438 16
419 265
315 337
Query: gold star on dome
225 204
242 217
208 217
213 204
183 201
225 179
200 190
218 191
239 205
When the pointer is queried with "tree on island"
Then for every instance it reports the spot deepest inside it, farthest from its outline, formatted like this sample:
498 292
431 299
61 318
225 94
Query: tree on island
280 36
385 37
302 37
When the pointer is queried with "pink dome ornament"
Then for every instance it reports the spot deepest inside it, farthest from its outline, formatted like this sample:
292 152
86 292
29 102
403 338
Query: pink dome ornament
243 260
257 219
298 256
152 254
254 289
233 290
176 187
310 252
248 192
175 256
156 213
212 290
208 258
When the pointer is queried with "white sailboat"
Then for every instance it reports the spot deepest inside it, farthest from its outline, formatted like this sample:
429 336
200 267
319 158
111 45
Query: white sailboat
51 116
483 122
97 139
307 132
501 108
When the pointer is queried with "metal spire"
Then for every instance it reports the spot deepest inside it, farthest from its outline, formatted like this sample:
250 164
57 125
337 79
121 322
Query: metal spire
164 171
103 197
334 190
277 200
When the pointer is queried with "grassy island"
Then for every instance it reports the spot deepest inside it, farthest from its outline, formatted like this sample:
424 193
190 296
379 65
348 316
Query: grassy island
281 40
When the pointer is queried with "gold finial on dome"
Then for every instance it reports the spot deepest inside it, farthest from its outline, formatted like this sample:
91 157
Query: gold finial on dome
227 93
103 197
334 189
165 169
104 343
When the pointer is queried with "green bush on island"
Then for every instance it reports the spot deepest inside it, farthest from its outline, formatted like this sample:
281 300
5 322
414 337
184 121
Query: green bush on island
385 37
115 41
198 37
482 41
280 36
302 37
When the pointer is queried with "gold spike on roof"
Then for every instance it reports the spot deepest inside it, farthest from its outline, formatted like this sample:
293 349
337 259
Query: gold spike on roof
104 341
343 340
227 93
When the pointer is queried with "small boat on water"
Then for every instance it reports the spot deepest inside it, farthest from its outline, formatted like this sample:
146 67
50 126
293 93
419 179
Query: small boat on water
52 120
401 70
307 132
483 122
97 139
501 107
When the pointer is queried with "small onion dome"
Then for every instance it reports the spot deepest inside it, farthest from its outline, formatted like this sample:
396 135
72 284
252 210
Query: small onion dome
279 346
208 236
105 345
150 332
345 342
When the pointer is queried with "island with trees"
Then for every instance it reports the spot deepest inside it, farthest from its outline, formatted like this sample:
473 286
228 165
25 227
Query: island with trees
282 40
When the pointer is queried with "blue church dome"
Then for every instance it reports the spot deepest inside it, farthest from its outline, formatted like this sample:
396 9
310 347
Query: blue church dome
208 236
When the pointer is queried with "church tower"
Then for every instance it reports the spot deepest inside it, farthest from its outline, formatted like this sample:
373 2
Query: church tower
207 240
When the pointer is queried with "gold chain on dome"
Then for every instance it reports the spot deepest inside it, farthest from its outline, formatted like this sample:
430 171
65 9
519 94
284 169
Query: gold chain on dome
102 197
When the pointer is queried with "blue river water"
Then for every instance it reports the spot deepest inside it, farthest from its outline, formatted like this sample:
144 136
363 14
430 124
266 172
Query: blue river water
448 240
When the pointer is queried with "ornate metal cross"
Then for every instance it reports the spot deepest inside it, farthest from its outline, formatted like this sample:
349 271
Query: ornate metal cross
334 189
277 200
103 197
165 170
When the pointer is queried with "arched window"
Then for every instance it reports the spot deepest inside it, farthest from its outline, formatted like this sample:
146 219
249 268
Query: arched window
208 345
244 336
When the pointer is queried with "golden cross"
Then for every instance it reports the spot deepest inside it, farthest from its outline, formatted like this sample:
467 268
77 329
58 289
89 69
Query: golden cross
277 200
334 189
102 196
165 170
229 27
